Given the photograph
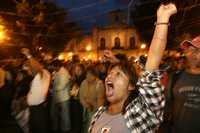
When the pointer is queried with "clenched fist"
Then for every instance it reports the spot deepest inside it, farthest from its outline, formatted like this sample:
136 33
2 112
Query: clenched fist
165 11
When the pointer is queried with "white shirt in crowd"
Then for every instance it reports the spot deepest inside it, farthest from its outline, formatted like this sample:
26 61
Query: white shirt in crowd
39 88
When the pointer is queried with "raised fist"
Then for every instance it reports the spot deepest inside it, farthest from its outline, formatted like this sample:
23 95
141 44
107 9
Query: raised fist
109 56
165 11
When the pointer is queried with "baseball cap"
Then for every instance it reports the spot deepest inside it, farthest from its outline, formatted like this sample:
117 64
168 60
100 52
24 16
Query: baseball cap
194 42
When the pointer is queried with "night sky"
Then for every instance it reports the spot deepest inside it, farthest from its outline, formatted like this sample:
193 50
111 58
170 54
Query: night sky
88 13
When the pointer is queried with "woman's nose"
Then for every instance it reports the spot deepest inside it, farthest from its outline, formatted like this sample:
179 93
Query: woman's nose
109 76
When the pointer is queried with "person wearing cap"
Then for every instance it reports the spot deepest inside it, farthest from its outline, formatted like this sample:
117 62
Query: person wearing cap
183 97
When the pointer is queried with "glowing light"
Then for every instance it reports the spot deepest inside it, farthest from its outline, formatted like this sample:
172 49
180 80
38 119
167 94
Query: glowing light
85 58
1 27
89 56
143 46
61 57
2 35
70 54
88 48
40 48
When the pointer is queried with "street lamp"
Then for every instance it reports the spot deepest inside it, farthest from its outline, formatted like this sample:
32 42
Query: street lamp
143 46
61 57
70 54
88 48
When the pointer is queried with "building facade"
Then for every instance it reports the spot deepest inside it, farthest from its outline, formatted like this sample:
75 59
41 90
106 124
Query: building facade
116 36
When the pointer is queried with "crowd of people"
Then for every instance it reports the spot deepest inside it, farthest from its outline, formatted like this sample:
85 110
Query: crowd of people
114 96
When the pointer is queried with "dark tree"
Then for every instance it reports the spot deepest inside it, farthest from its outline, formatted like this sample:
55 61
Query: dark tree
41 24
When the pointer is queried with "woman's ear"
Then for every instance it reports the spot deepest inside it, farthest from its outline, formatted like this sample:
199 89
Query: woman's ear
131 87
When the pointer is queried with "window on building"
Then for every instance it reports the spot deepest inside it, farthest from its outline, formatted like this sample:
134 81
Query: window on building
132 43
102 43
117 43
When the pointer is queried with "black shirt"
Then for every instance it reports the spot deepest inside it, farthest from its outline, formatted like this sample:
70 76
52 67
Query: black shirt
186 107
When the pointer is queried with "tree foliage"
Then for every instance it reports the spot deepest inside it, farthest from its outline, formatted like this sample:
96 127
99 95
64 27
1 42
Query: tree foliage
39 24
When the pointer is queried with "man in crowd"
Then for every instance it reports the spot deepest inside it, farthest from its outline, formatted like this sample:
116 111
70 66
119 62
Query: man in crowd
184 92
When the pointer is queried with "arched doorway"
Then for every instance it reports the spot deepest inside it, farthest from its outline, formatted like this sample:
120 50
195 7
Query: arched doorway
132 43
117 43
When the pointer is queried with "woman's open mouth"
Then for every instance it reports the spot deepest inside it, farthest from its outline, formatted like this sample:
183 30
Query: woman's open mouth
109 89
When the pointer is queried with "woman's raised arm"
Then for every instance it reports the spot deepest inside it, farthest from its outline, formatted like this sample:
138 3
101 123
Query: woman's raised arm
158 43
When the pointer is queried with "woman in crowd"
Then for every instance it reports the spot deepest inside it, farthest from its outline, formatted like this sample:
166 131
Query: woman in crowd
135 105
76 109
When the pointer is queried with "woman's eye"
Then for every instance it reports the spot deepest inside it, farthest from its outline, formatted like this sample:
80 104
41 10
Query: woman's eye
118 73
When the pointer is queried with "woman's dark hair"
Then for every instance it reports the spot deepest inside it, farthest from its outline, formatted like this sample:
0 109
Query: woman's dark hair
78 78
131 72
93 70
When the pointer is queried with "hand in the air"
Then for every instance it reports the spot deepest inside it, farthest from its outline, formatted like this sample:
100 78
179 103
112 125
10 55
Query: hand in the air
109 56
165 11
